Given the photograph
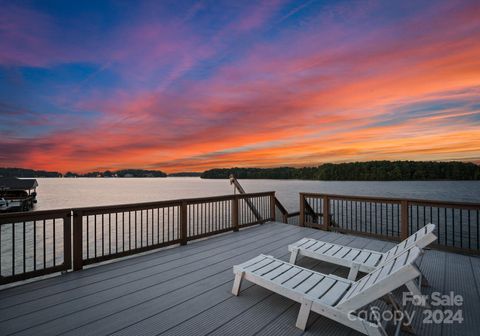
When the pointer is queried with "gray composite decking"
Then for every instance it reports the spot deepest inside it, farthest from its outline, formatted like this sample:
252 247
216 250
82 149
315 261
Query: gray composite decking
185 290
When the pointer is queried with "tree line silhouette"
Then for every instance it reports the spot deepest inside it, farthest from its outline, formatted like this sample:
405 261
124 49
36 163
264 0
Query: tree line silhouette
359 171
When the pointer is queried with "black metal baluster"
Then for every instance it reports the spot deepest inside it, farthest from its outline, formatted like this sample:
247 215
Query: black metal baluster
109 233
163 225
24 248
453 227
461 229
44 246
13 248
34 245
103 235
54 254
469 232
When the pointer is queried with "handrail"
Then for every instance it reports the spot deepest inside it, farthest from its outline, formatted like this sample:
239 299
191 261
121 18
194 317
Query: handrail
396 200
240 189
458 223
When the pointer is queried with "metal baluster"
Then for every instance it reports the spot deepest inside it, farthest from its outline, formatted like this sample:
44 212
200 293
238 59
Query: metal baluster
54 254
25 249
13 248
44 246
461 229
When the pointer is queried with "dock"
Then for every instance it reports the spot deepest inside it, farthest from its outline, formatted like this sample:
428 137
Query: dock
185 289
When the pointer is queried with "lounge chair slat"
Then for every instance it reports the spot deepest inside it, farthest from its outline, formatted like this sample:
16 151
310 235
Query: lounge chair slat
362 257
268 268
310 243
278 271
335 293
352 254
343 252
252 262
309 283
301 242
373 259
325 248
288 275
259 264
322 287
333 250
316 246
297 279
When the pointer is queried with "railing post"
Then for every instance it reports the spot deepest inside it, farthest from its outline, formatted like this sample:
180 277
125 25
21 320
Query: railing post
301 219
235 213
67 240
183 223
272 207
404 220
77 239
326 212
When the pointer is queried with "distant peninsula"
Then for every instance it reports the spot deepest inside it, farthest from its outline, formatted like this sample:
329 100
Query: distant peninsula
359 171
21 172
121 173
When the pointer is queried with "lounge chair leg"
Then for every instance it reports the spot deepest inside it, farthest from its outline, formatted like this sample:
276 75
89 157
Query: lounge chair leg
424 281
352 275
415 290
293 256
237 283
303 314
396 306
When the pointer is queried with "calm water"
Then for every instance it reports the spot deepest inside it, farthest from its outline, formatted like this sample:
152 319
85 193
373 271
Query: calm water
65 193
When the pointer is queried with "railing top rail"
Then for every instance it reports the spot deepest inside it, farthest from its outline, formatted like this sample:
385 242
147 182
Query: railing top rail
469 205
175 202
48 214
7 218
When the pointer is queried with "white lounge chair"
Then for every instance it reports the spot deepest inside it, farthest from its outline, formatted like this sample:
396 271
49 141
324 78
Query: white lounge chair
328 295
358 259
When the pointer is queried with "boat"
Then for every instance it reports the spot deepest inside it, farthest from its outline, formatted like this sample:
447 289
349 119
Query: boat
17 194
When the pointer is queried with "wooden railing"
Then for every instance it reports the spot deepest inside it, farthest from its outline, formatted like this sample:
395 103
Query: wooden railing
458 224
44 242
34 244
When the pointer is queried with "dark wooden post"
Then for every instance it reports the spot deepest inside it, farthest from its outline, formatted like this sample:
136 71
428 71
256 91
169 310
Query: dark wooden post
183 223
272 207
326 212
77 239
301 219
404 220
235 213
67 240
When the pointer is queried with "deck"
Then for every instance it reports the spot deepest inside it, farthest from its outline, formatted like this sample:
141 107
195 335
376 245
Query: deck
185 290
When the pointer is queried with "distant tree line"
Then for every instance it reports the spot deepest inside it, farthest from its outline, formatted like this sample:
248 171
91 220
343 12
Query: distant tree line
120 173
185 174
359 171
21 172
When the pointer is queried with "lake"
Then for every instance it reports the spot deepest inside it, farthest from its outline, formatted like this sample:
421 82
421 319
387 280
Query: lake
56 193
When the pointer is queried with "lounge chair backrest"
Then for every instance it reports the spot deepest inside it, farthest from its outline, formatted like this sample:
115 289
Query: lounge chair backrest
390 276
421 238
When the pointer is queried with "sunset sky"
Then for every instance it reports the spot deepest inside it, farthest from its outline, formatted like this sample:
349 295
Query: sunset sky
193 85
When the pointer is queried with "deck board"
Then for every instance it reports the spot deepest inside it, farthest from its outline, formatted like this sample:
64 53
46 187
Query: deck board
186 291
